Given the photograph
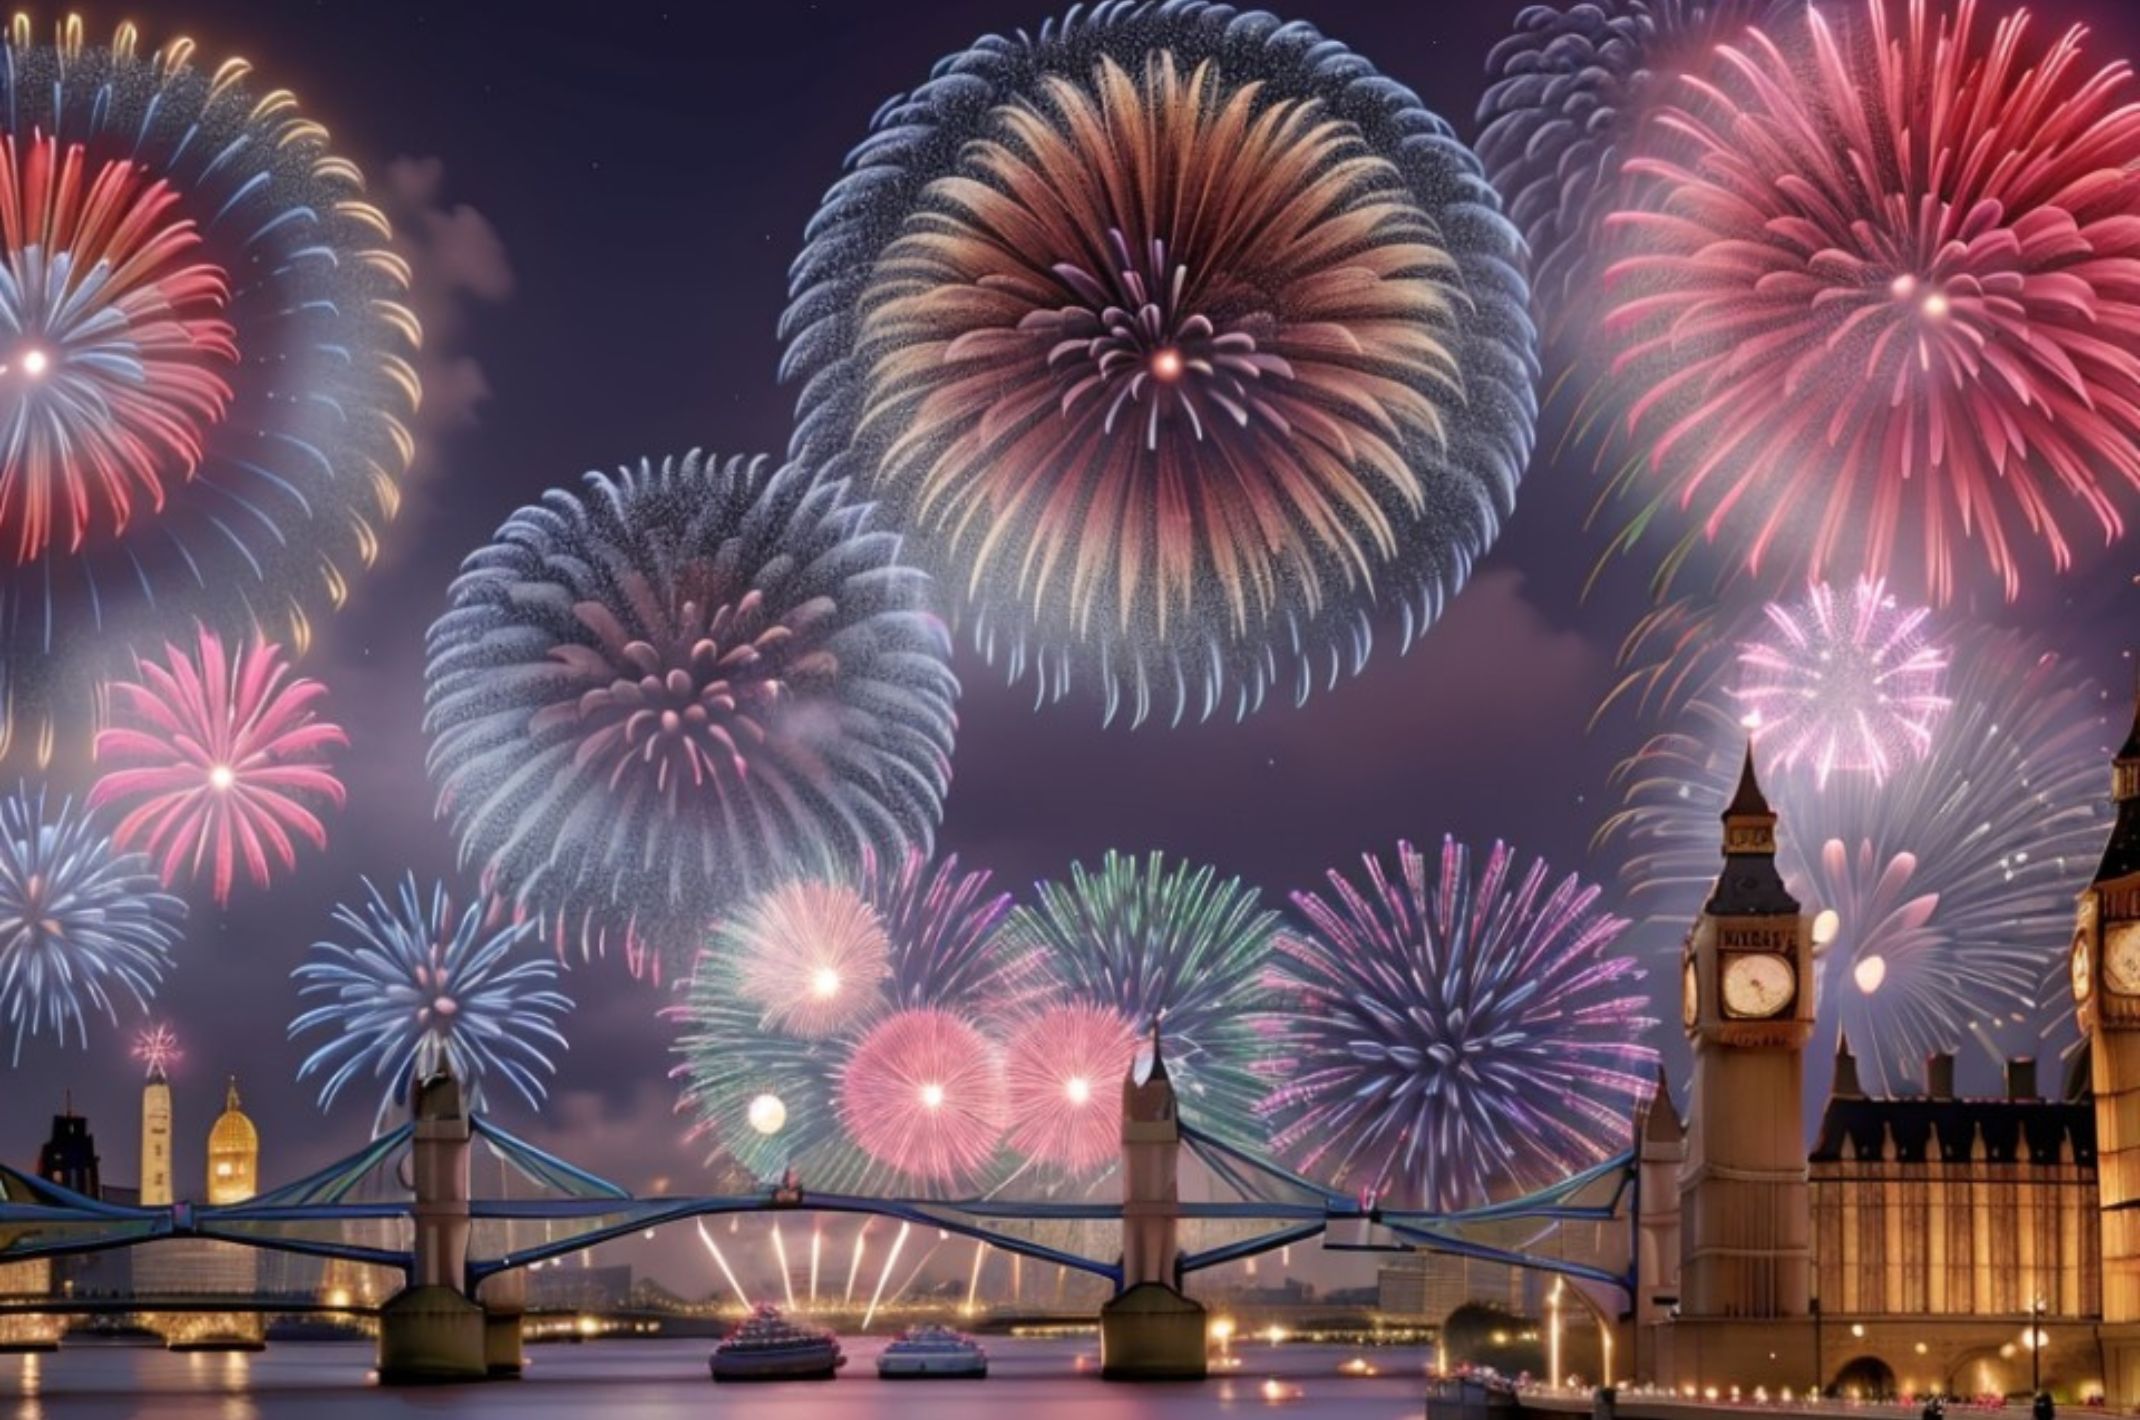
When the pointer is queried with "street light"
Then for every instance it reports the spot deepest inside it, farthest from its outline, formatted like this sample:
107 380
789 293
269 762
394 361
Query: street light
2035 1346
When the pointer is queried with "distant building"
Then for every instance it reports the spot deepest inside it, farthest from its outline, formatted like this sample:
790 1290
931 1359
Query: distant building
69 1157
580 1288
191 1266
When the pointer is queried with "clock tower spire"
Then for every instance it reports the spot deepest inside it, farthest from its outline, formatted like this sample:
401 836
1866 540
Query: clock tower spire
2106 996
1745 1207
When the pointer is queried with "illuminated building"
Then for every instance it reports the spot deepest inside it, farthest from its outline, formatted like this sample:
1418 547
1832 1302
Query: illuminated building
1926 1242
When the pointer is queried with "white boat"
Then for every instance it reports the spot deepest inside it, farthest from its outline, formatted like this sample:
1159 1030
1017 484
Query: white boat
769 1347
932 1351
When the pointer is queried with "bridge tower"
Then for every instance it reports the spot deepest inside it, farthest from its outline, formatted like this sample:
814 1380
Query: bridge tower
430 1331
1150 1330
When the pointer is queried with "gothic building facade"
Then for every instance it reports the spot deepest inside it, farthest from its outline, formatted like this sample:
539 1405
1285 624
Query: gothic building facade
1927 1242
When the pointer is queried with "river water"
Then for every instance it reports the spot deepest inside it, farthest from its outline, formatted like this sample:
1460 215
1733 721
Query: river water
1029 1380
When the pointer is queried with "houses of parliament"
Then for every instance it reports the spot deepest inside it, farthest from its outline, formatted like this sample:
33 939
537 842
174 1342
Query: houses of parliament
1924 1243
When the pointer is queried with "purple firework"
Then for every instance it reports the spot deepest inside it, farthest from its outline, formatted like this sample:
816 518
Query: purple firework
1454 1037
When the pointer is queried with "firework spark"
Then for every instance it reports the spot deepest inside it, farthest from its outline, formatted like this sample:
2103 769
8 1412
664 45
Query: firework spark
81 923
1876 281
813 957
1935 890
922 1094
218 759
1189 350
1454 1035
416 987
205 366
694 680
1145 941
1843 682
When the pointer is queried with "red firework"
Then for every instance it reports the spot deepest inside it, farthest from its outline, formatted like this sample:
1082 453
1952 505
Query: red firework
1888 270
217 759
1063 1071
110 339
923 1094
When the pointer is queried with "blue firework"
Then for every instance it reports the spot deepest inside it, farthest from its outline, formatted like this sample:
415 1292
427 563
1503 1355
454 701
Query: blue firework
1567 93
80 924
1176 944
1190 352
209 410
413 986
692 680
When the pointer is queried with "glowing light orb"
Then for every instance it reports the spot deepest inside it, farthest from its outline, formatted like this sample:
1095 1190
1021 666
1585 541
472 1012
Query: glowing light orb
1869 972
767 1114
221 777
34 363
932 1096
1078 1090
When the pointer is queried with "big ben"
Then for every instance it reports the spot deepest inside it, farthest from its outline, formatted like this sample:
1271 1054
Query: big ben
2106 993
1746 1253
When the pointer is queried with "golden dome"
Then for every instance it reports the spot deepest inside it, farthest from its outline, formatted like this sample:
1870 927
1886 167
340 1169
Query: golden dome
233 1132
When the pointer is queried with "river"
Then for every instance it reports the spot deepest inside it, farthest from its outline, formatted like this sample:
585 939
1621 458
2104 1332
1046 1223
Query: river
1029 1380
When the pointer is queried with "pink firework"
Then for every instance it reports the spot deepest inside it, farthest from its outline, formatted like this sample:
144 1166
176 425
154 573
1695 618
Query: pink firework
111 340
923 1094
1885 273
157 1049
216 759
812 956
1844 682
1064 1068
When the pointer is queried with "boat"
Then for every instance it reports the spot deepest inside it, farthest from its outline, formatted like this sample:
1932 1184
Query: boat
932 1351
769 1347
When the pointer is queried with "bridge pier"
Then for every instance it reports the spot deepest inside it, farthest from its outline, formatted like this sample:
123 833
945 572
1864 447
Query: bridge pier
505 1302
430 1331
1151 1331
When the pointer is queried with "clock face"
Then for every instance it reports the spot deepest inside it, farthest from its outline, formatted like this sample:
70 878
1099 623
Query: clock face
2121 958
1690 1001
2083 967
1757 985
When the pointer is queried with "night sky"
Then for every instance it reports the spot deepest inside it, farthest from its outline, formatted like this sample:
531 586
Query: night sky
603 201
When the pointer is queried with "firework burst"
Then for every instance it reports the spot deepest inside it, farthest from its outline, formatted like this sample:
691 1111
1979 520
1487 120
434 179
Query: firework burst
813 957
1843 682
1063 1070
1937 893
766 1089
695 680
81 924
416 987
1568 94
1454 1035
218 758
1877 279
157 1049
1188 349
922 1094
205 366
1144 941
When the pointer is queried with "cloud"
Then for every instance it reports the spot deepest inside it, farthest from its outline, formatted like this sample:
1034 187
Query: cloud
459 262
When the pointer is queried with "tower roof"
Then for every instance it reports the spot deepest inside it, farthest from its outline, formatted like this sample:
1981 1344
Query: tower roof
1750 885
233 1131
2121 853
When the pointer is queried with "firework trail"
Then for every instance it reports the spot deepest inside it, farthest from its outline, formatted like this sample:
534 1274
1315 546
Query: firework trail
215 759
1939 893
1876 278
81 923
414 987
1189 351
1452 1035
1139 941
205 366
691 681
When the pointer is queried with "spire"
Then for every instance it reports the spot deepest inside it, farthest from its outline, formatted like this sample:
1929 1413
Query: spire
1159 1064
230 1097
1843 1085
1749 801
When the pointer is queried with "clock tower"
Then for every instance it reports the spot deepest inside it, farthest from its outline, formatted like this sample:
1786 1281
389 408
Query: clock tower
2106 994
1745 1206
